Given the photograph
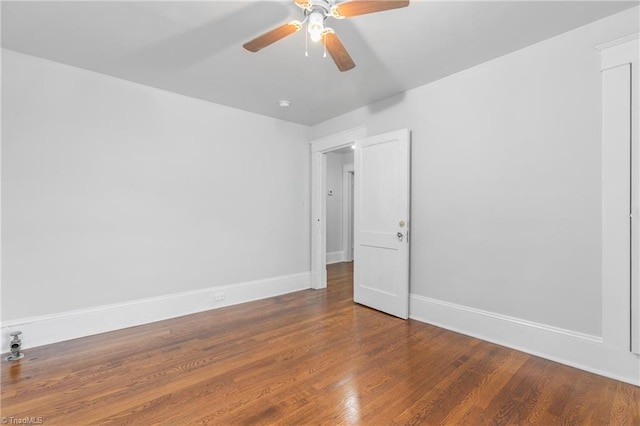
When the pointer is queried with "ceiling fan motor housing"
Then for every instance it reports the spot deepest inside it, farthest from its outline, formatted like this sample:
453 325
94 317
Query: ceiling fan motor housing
316 13
322 6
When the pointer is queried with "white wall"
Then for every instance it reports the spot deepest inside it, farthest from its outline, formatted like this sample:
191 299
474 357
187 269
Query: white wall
334 203
114 191
506 198
335 249
506 179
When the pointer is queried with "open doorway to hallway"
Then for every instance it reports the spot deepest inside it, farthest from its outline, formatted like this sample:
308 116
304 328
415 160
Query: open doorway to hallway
381 216
339 206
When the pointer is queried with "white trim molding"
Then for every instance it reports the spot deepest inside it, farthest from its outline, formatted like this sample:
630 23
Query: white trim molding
335 257
318 220
568 347
618 52
616 42
347 212
319 148
338 140
620 197
47 329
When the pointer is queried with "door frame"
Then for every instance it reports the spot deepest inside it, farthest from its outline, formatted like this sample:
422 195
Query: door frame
620 196
347 212
319 149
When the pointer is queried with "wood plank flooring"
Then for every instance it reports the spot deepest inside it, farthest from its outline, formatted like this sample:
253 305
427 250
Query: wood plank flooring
311 357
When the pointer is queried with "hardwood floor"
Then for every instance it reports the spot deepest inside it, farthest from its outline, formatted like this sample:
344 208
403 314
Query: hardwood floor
311 357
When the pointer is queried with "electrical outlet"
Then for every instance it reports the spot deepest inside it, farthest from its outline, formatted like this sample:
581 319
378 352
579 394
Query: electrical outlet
218 297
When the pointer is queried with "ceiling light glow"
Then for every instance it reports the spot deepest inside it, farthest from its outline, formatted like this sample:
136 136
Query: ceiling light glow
316 26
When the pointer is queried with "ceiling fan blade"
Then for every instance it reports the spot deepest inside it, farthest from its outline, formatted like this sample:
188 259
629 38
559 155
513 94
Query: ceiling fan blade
272 36
362 7
304 4
337 51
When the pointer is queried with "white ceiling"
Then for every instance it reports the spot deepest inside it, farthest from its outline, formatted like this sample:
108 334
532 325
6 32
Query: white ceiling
195 48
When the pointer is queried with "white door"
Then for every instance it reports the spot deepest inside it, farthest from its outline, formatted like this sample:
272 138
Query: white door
381 223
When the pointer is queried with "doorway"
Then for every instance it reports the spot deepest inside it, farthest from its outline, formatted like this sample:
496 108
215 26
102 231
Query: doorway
319 192
339 205
381 217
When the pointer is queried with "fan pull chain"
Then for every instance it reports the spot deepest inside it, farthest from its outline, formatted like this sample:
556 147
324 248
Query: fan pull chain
306 43
324 42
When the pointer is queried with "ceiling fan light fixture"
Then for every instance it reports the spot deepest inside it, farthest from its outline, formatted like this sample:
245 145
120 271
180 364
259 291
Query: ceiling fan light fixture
315 25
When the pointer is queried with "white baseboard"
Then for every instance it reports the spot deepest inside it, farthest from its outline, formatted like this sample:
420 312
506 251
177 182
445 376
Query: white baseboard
579 350
335 257
46 329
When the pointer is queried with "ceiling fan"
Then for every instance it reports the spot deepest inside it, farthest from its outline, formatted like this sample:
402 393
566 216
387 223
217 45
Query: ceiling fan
315 13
